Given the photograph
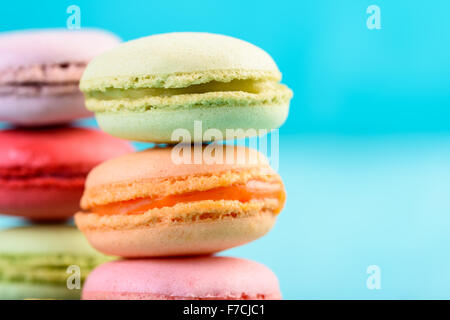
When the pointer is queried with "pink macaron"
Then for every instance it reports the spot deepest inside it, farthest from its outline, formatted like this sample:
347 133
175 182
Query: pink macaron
40 72
201 278
42 171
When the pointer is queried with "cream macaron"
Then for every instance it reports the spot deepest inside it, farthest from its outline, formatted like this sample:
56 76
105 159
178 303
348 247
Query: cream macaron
166 202
147 88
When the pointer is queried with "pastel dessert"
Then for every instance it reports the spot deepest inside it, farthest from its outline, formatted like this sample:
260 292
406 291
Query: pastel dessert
40 72
145 89
203 278
42 171
34 262
150 204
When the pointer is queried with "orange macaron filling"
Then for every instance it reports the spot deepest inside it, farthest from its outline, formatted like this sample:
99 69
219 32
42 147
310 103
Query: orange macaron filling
252 190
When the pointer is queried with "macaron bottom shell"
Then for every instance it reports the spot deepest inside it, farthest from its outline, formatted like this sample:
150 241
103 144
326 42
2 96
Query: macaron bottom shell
40 204
158 125
149 296
42 109
176 239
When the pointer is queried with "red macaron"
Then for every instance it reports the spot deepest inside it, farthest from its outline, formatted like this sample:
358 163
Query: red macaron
42 172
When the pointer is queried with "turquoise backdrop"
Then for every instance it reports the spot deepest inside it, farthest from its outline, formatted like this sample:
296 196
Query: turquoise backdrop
365 154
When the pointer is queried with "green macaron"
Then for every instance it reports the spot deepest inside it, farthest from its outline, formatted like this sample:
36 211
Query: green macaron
148 88
44 262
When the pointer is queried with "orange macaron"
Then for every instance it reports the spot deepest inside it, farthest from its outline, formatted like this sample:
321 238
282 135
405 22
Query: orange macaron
167 201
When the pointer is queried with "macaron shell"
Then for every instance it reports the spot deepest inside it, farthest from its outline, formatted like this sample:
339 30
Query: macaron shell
42 110
37 203
171 162
140 240
57 147
52 46
160 125
165 54
182 278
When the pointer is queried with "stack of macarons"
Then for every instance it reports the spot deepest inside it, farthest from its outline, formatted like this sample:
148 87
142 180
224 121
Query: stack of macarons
44 157
170 208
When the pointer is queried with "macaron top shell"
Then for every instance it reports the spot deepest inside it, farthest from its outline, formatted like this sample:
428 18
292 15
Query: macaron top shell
176 60
55 149
195 278
52 46
163 171
174 162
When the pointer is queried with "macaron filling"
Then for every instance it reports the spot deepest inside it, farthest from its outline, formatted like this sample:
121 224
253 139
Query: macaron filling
56 79
252 190
248 85
237 92
33 89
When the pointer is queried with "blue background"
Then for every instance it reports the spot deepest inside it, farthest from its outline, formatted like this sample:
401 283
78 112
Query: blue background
365 153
